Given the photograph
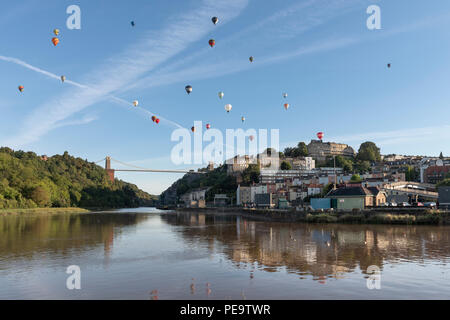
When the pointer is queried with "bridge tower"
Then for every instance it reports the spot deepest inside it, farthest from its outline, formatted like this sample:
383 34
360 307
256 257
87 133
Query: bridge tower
108 169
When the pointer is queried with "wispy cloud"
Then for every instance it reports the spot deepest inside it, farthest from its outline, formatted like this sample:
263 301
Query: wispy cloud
217 67
85 120
285 23
398 136
153 50
226 67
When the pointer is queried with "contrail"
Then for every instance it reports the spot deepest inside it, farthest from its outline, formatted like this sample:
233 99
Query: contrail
79 85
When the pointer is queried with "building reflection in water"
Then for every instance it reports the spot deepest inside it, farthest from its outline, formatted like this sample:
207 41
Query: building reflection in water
320 251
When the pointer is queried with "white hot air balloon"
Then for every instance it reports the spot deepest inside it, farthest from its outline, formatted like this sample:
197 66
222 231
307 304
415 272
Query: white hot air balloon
221 95
285 95
135 103
228 107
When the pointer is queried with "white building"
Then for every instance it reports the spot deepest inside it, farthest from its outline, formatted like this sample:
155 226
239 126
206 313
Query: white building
304 163
314 189
272 176
258 189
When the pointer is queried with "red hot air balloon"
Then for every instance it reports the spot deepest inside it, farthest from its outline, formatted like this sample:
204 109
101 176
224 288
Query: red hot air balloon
157 121
212 42
320 136
55 41
208 126
21 88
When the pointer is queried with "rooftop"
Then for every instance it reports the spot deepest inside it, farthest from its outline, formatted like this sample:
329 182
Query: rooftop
354 191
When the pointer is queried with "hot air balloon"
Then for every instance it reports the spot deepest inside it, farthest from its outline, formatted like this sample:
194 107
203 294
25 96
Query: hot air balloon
215 20
243 119
188 89
193 129
56 32
132 23
251 138
389 65
153 118
63 78
251 59
157 121
221 95
285 95
208 126
55 41
21 88
286 106
228 107
135 103
320 135
212 42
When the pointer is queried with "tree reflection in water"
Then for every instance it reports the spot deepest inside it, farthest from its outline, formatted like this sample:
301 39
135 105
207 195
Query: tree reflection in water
27 235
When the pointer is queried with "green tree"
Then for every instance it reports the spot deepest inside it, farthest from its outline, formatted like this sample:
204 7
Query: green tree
368 151
444 183
411 174
356 178
302 149
327 189
40 196
27 181
270 151
341 162
362 167
285 166
288 152
251 174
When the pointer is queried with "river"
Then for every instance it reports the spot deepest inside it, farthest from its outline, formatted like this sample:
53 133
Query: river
148 254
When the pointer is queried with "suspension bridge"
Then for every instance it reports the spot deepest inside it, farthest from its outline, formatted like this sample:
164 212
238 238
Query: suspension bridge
111 172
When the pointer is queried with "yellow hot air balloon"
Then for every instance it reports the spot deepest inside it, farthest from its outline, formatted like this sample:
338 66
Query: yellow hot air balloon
56 32
63 78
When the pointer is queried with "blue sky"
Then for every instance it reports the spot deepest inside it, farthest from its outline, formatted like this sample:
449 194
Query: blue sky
318 51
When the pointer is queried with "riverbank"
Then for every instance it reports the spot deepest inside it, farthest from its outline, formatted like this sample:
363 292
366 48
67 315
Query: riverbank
41 211
412 216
